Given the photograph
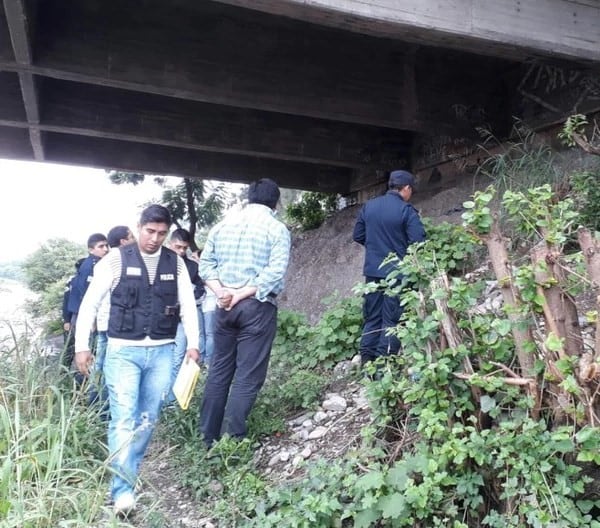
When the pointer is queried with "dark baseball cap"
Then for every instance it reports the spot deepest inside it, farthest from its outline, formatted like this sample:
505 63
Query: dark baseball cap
400 178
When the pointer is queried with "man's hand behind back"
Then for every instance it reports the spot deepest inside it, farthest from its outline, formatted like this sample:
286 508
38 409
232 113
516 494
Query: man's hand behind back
232 296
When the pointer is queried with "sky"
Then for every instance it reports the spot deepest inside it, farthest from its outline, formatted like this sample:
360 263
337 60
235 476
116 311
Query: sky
39 201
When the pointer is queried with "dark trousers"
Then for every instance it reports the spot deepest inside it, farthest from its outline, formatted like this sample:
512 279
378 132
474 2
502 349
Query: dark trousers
380 312
68 352
243 339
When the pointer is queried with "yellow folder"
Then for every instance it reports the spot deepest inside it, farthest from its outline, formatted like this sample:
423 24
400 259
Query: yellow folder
185 383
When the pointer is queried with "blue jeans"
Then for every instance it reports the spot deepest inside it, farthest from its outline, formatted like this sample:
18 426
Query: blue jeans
138 380
97 391
178 355
207 336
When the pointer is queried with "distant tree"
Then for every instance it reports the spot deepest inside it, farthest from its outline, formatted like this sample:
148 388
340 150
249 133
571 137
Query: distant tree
311 210
46 271
54 261
194 203
118 177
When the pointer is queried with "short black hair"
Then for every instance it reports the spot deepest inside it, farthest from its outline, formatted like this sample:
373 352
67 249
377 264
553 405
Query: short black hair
116 234
156 213
264 191
181 234
94 238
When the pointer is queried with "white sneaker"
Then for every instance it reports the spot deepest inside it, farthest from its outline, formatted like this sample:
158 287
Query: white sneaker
124 504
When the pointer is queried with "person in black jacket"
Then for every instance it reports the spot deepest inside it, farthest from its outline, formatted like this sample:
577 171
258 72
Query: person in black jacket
180 242
68 336
386 225
97 248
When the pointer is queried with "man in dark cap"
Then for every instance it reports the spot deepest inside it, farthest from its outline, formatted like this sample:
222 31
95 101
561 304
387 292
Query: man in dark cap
386 225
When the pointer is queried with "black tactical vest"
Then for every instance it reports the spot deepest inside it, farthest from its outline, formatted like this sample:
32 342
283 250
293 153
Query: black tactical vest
139 309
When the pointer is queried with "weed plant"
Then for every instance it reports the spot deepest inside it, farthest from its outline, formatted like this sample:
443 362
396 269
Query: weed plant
52 452
585 190
523 163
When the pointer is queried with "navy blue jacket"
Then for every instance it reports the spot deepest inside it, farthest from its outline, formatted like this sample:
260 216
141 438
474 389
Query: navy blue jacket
66 314
386 224
80 283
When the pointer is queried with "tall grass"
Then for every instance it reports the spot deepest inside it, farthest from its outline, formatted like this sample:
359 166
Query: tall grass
52 447
521 163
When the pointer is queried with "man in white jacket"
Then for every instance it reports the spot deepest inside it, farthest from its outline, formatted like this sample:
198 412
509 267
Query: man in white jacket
149 290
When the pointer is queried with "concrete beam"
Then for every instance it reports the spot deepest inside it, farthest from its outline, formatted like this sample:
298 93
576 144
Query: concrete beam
119 114
17 20
11 98
514 28
151 159
214 53
15 144
6 51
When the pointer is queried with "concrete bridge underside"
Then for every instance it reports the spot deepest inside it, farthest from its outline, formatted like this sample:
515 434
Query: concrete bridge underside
317 94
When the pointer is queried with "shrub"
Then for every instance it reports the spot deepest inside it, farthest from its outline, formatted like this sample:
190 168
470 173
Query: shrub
312 210
586 194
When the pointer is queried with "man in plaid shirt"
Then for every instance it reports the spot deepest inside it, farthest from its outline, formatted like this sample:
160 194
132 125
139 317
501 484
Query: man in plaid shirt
244 262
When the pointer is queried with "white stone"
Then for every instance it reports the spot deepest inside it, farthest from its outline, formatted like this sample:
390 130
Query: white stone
342 368
298 420
317 433
335 403
497 303
320 416
361 402
356 360
306 452
274 459
284 456
307 424
299 436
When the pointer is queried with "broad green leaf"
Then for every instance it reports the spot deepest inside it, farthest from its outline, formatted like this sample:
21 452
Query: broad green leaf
392 506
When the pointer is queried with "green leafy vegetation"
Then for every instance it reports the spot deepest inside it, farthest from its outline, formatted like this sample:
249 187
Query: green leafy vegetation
52 449
574 126
455 440
312 210
194 204
47 271
586 195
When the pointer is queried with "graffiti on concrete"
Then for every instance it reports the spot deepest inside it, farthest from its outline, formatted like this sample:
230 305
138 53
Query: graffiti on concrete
442 148
557 89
